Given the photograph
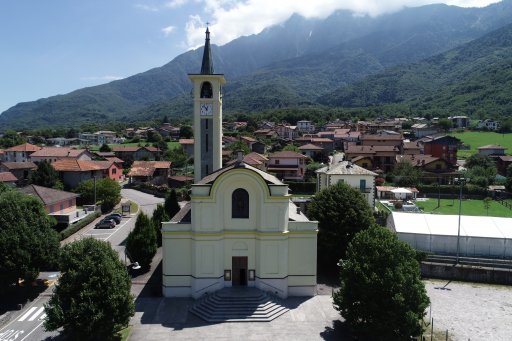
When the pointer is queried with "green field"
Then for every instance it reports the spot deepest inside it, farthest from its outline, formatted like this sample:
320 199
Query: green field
469 207
477 139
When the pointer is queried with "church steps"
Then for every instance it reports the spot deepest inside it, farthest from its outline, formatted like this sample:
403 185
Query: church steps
235 305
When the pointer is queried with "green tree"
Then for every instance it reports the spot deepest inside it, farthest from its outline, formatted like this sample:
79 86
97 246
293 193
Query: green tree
177 156
141 242
46 176
159 215
92 300
405 174
341 211
481 170
292 148
483 161
171 204
487 204
11 138
186 132
381 296
445 124
105 148
108 193
28 242
508 182
239 145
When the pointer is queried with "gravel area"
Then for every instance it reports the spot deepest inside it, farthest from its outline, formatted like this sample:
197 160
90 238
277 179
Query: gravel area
471 311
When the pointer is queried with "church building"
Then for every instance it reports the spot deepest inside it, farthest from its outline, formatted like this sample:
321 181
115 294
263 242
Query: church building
240 227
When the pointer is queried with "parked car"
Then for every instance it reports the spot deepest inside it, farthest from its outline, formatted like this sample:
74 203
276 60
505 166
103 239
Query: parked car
115 217
106 223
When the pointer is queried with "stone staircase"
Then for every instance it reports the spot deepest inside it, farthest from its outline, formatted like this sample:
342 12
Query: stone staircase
238 305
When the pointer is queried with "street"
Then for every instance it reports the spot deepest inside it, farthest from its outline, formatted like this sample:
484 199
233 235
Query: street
27 324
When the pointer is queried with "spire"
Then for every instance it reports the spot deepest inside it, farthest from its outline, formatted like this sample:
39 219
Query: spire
207 65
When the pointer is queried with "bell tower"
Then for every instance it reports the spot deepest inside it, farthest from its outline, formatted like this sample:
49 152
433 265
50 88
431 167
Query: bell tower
207 115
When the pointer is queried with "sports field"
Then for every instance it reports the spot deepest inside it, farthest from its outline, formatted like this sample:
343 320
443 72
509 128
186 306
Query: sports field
469 207
477 139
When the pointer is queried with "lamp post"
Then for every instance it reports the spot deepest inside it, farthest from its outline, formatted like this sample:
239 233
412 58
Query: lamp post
462 182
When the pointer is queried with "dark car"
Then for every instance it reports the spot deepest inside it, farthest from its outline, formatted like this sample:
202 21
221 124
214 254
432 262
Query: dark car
115 217
106 223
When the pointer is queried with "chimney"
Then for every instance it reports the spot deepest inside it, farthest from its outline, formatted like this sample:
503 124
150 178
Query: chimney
239 156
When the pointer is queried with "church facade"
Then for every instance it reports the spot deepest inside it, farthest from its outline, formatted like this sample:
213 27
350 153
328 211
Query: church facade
240 227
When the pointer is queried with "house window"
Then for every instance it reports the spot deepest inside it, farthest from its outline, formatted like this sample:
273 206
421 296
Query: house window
362 185
70 203
277 162
62 207
114 171
51 208
240 203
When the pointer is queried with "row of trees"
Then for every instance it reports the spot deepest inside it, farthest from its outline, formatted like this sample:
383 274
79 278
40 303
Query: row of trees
381 295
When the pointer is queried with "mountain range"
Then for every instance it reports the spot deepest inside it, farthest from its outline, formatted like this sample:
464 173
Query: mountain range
428 57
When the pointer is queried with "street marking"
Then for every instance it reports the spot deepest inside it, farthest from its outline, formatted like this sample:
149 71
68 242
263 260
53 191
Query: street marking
36 314
10 335
42 317
33 330
30 311
118 229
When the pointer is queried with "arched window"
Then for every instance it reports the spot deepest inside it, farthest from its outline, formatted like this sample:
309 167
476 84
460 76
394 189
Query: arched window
240 203
206 90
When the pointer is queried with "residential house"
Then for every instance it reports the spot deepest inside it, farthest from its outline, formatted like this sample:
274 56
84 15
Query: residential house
459 121
177 181
62 141
488 124
265 133
304 126
502 163
373 157
155 172
374 127
381 140
8 178
99 138
266 125
287 165
442 146
326 143
253 144
411 148
188 146
337 124
351 174
167 130
59 204
20 153
72 172
286 132
21 170
129 154
52 154
344 136
313 151
2 155
255 160
422 129
491 150
434 169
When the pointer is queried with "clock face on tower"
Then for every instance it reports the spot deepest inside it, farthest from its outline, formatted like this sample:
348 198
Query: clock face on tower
206 109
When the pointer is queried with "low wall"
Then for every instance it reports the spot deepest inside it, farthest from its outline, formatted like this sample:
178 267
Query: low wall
466 273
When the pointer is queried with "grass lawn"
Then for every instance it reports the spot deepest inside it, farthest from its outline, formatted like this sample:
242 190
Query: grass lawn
480 138
469 207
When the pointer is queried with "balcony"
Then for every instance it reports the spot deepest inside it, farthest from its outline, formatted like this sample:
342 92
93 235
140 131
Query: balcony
364 190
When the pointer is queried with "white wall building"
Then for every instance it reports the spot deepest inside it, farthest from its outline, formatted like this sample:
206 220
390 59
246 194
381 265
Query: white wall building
351 174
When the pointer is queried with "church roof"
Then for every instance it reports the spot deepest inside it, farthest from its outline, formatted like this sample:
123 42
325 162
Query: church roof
207 64
184 215
210 178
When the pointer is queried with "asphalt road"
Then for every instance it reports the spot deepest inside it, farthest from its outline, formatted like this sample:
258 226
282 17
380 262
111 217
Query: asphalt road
27 324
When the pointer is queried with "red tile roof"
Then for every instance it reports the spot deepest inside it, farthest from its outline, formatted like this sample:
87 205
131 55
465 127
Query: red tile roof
72 165
286 154
186 141
58 152
7 177
26 147
47 195
310 146
19 165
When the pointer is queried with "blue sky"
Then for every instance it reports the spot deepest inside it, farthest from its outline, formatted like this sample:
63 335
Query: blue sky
57 46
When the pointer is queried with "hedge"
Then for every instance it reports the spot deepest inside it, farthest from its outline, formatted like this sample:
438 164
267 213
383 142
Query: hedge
453 189
302 187
79 225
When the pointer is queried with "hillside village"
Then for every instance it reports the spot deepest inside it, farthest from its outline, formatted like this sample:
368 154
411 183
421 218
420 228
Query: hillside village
284 226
